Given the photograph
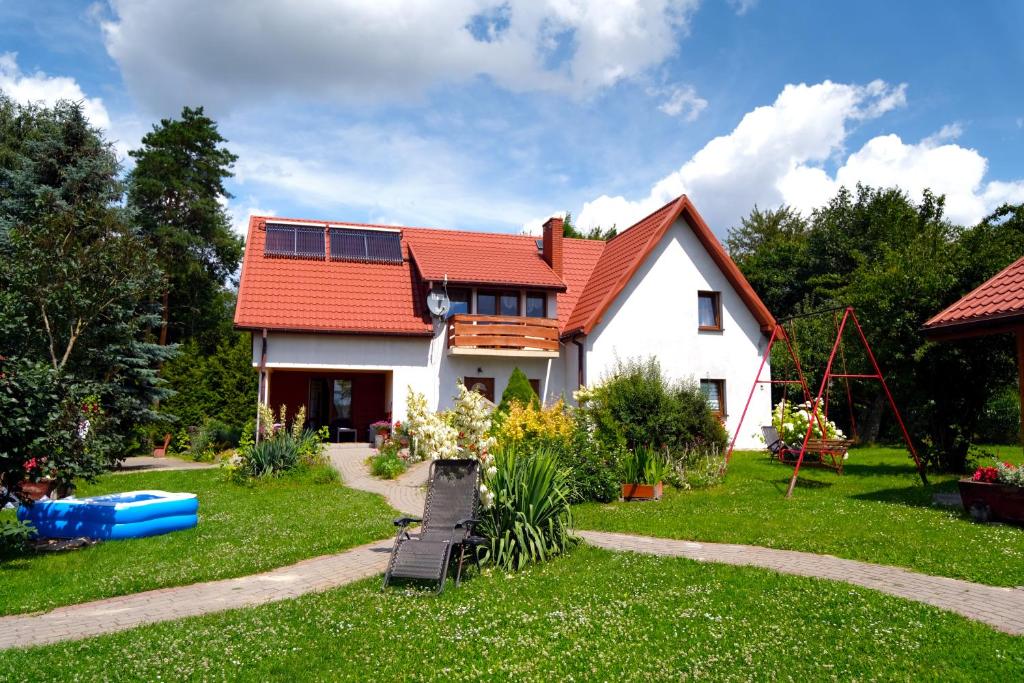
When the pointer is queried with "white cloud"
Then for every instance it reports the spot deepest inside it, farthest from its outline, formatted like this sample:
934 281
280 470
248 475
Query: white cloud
680 100
239 212
39 87
535 227
219 53
777 155
741 7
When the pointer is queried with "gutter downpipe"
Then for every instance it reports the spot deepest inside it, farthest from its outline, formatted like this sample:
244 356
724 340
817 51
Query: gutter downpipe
262 382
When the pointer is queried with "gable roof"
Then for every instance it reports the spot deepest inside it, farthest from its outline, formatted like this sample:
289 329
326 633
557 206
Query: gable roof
624 254
480 258
326 296
999 300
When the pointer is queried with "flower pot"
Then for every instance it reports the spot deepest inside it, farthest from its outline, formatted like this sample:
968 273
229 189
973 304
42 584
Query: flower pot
35 490
992 502
641 491
378 440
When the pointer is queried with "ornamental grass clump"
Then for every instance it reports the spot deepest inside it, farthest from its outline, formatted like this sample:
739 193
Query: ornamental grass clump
530 519
645 465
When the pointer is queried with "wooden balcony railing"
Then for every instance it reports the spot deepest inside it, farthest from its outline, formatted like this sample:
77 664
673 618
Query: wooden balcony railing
496 335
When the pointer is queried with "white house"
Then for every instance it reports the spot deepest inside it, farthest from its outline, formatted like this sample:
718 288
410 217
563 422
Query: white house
340 321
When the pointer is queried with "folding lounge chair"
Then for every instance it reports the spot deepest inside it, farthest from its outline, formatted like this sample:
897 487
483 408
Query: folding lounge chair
783 452
453 497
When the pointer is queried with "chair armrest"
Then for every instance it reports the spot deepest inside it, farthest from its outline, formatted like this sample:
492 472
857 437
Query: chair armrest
406 521
466 523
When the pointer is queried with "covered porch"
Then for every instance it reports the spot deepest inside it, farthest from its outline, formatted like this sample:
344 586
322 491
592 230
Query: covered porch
345 401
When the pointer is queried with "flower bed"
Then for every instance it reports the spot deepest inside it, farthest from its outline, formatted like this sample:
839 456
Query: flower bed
995 493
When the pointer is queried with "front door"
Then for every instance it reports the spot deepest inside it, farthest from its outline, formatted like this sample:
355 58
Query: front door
481 385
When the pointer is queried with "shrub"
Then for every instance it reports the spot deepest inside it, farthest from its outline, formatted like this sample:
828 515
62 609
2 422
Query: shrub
528 425
518 391
271 456
388 462
593 466
14 535
211 438
698 467
530 520
791 420
645 466
1000 419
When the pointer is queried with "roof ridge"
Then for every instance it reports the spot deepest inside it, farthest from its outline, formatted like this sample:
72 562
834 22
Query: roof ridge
971 293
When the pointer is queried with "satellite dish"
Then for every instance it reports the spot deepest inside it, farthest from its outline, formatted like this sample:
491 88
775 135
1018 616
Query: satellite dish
438 303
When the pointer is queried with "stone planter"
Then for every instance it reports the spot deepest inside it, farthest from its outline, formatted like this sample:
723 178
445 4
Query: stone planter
36 490
641 491
992 502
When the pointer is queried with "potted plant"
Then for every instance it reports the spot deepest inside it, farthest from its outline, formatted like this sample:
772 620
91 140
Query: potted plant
40 479
995 493
381 430
643 473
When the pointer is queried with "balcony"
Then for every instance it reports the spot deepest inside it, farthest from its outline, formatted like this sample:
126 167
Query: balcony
495 335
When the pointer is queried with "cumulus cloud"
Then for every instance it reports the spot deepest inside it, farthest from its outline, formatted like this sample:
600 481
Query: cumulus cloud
779 153
39 87
239 212
221 52
681 101
741 7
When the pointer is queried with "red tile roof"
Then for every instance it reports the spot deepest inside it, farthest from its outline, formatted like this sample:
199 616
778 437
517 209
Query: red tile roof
325 296
624 254
482 258
997 300
343 296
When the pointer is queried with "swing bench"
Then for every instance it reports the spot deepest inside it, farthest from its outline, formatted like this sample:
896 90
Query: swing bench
830 453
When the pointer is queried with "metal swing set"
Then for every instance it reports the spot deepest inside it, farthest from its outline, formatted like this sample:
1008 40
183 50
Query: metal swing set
820 414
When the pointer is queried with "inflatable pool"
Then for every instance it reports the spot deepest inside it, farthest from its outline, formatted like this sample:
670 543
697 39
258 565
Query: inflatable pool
133 514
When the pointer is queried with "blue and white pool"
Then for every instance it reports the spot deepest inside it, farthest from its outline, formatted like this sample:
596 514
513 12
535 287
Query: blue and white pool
133 514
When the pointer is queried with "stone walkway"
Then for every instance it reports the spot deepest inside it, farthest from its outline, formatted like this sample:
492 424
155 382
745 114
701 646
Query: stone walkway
147 463
1001 608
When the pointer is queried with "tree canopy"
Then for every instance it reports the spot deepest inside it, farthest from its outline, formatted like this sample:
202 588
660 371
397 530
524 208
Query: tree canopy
176 190
897 263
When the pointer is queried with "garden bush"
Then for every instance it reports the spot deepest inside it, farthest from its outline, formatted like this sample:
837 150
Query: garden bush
637 406
530 519
388 463
999 422
278 451
14 536
518 391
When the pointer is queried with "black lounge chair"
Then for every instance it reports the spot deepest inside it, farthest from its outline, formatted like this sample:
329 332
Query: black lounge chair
453 498
783 452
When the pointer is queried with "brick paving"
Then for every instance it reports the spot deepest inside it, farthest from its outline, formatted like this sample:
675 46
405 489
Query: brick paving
1001 608
128 611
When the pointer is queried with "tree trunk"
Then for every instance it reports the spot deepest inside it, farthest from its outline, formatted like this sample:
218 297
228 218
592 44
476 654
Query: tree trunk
873 424
165 317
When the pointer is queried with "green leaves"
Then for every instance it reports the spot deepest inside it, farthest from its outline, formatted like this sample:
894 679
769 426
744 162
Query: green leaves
530 520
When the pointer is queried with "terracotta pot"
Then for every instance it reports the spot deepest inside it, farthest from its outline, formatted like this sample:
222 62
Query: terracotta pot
35 490
992 502
378 440
642 491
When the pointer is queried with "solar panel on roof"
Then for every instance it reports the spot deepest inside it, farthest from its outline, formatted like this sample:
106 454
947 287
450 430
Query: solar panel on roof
297 241
373 246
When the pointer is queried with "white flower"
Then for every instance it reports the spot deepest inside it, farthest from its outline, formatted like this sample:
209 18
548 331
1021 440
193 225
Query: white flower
491 471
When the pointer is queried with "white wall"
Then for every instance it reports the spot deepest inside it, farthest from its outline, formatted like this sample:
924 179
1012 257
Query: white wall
420 362
656 314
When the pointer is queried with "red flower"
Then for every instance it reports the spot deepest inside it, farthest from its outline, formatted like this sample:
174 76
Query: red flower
989 475
30 464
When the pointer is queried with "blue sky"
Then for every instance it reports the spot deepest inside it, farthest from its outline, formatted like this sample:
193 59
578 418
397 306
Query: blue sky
491 115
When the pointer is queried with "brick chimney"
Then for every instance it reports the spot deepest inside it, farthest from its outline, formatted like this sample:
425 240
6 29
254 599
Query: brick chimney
553 244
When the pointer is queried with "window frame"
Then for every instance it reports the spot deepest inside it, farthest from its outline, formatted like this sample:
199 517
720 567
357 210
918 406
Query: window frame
544 306
722 411
498 294
456 291
716 301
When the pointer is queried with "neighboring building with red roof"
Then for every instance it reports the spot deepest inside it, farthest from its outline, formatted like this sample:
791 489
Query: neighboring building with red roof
341 322
994 307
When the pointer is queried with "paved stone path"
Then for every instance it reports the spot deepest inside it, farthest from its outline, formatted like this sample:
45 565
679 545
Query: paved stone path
405 493
128 611
147 463
1001 608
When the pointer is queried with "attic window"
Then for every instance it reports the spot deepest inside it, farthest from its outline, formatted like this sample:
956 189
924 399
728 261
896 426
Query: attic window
372 246
540 246
295 241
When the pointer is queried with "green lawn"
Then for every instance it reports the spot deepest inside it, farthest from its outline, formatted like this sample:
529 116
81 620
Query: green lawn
592 615
242 530
877 511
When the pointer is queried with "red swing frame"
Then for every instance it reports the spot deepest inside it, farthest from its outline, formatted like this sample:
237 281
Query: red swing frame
779 333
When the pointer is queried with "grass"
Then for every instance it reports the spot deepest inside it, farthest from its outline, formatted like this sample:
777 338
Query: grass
242 529
591 615
878 511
